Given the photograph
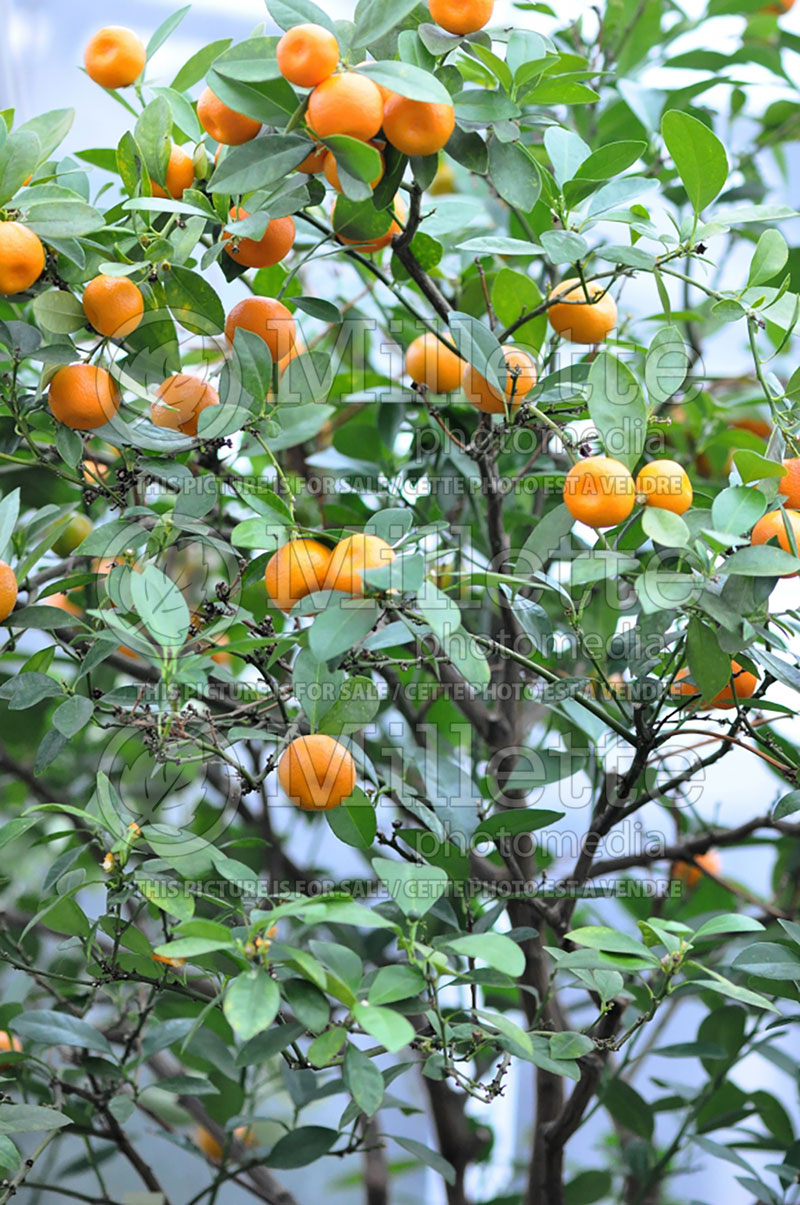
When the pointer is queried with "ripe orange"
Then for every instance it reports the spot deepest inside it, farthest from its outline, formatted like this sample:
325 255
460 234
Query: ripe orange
520 372
273 246
665 484
8 590
316 772
295 570
203 1138
180 175
223 124
351 557
417 127
73 534
94 471
21 258
8 1043
690 873
297 349
368 246
772 526
183 400
307 55
64 603
744 681
114 57
83 396
332 172
314 161
790 484
268 319
599 491
758 426
113 305
461 16
431 363
347 103
584 322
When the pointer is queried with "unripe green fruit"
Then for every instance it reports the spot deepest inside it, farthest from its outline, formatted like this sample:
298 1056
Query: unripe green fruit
73 535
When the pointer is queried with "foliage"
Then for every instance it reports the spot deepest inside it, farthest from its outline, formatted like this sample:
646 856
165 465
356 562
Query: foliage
181 943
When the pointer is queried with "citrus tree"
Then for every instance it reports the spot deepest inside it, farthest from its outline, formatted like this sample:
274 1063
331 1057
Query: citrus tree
399 424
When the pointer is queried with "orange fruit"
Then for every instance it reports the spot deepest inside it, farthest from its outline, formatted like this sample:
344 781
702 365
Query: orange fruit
8 590
584 322
21 258
316 772
314 161
444 181
183 400
520 373
461 16
180 175
758 426
114 57
297 349
417 127
771 526
83 396
268 319
347 103
599 491
73 535
203 1138
332 172
744 681
164 959
789 485
295 570
113 305
221 657
94 471
223 124
9 1043
307 55
63 602
665 484
367 246
431 363
690 873
351 557
273 246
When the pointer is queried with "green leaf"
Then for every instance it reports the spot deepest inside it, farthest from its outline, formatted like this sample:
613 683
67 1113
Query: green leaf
161 606
599 937
165 29
698 155
786 806
251 1003
73 715
514 174
64 218
193 302
28 1119
50 128
495 949
287 13
325 1048
393 983
425 1155
9 513
665 528
761 561
709 666
441 613
729 922
49 1028
513 821
10 1157
768 960
407 80
627 1107
769 257
19 155
617 408
567 152
373 19
610 160
153 134
567 1045
192 947
59 312
260 163
666 364
387 1027
341 626
363 1080
355 821
414 889
301 1146
170 896
737 509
